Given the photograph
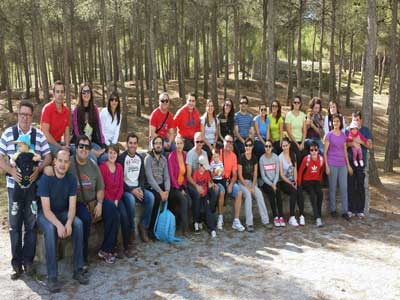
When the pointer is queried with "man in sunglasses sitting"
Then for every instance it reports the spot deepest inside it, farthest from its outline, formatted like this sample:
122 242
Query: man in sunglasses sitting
161 123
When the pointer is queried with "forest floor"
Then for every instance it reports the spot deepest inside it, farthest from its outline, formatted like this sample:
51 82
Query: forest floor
343 260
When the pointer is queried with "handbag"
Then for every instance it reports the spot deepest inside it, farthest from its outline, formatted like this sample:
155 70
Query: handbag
164 229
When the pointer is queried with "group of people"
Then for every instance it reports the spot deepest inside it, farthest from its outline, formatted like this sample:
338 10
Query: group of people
195 162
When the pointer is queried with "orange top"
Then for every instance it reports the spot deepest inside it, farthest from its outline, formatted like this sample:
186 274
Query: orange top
182 170
230 163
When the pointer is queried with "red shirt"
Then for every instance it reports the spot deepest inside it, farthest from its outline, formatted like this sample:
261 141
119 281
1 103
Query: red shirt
57 121
202 180
313 171
113 182
188 123
157 118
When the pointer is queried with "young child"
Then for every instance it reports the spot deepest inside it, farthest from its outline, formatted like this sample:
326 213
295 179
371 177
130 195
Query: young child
202 178
355 136
217 171
25 160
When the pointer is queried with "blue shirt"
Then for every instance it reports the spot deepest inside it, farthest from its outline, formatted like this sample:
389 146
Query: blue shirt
58 190
262 127
245 122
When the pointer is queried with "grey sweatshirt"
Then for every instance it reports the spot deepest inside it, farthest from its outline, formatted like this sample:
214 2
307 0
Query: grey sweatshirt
157 172
269 169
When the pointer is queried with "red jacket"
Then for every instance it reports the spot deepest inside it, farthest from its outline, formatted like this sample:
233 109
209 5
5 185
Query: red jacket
113 183
310 169
187 123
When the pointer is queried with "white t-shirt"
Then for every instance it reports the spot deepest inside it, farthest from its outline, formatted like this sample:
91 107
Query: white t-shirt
110 127
209 131
132 169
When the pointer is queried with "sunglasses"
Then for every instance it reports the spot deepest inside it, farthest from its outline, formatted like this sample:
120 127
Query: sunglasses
313 150
227 104
164 100
248 145
85 92
263 109
114 99
268 146
84 146
274 105
296 102
229 141
199 142
244 103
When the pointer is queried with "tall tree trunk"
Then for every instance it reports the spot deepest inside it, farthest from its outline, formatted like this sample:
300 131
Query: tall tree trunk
264 53
393 90
368 91
106 60
383 71
4 70
321 44
179 46
312 62
226 72
196 59
138 49
214 47
65 55
153 46
35 68
362 69
332 72
349 75
21 36
298 64
271 53
236 50
205 58
290 43
342 36
73 53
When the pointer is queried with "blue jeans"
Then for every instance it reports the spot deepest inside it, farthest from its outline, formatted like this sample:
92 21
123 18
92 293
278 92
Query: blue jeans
51 237
22 255
259 149
338 173
130 200
196 201
82 212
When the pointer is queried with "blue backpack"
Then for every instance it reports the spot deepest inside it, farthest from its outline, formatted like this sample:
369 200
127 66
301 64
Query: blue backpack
164 229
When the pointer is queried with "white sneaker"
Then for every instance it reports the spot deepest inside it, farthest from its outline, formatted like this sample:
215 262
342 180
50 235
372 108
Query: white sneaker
355 163
196 228
292 221
361 163
302 221
276 222
220 222
237 225
282 222
213 234
318 222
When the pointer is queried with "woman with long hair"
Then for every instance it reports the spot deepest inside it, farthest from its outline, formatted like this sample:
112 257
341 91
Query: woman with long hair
110 118
328 121
261 127
86 120
276 126
288 182
226 119
209 128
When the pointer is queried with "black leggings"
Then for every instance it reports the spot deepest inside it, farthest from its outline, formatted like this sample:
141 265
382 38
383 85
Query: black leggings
296 195
313 188
274 198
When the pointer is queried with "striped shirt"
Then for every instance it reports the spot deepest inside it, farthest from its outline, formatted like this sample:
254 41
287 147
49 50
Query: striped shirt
8 148
244 122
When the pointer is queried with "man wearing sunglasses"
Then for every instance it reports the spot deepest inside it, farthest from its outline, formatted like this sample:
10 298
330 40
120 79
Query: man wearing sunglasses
55 120
26 212
90 188
161 123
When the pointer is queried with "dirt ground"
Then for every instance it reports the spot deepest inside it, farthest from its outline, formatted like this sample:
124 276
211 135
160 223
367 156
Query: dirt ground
357 260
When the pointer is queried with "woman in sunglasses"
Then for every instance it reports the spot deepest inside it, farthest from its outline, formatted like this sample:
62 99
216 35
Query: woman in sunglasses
276 126
296 128
226 119
86 121
247 172
309 178
269 170
261 127
110 118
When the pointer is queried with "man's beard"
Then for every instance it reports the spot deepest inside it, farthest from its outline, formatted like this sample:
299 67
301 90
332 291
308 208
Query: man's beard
157 151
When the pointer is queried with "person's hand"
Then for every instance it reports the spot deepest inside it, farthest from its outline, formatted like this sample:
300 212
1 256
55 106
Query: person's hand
116 203
350 170
253 189
273 187
301 146
16 175
68 230
199 189
98 210
65 147
98 152
230 188
294 185
164 195
183 192
61 231
138 193
327 170
34 175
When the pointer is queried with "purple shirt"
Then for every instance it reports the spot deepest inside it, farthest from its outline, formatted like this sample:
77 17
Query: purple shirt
336 153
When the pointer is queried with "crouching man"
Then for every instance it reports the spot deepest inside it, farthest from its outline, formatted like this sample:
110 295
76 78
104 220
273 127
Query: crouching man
57 219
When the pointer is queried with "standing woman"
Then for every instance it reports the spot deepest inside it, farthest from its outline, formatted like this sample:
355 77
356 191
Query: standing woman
110 118
337 166
269 170
114 211
209 128
288 182
86 121
247 173
296 128
276 126
226 119
177 174
261 126
328 122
